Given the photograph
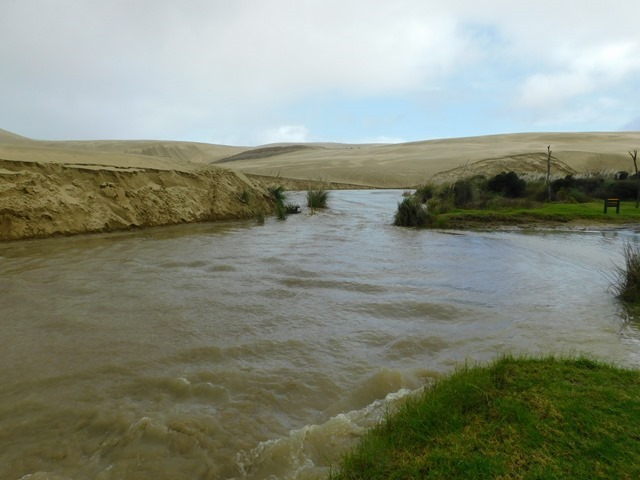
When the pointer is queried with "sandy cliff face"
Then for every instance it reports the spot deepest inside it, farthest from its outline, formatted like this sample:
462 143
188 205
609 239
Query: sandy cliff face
45 199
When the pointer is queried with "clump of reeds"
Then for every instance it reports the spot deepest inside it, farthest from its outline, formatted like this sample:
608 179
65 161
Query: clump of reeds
412 213
283 208
278 194
317 198
626 284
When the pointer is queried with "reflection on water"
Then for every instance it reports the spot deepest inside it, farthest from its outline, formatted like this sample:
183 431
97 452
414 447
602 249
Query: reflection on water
248 351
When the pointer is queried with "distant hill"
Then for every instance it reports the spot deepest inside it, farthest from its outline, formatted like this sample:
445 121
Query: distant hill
379 165
6 137
410 164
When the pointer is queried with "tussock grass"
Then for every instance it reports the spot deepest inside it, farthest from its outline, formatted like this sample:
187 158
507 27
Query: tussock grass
626 284
516 418
278 194
411 213
317 198
283 207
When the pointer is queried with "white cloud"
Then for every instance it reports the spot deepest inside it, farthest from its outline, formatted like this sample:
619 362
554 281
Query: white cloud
587 72
159 68
286 134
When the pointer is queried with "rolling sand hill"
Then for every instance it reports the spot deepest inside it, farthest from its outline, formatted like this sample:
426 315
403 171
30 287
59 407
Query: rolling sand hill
410 164
65 187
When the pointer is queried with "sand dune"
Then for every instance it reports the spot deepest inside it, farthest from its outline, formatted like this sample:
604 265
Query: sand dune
62 187
409 164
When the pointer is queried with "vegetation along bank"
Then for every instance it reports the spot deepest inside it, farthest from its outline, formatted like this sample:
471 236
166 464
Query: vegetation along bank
512 199
516 418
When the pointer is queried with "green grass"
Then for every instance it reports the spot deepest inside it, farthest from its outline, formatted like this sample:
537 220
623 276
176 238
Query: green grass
519 418
543 214
317 198
283 208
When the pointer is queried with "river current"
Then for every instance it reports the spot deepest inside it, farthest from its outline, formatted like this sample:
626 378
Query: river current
262 351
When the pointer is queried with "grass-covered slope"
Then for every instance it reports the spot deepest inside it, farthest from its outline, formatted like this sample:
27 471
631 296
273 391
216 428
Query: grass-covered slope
516 418
546 214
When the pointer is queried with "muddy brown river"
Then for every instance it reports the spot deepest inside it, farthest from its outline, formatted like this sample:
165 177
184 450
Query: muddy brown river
247 351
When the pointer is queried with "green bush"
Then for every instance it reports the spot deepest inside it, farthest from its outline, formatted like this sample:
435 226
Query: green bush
571 195
426 192
589 186
462 193
470 192
412 213
623 189
508 184
439 205
537 191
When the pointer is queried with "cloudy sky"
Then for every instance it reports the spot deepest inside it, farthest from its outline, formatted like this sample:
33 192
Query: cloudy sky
250 72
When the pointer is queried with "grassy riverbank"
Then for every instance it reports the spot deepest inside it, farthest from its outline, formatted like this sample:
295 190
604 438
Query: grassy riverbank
591 213
516 418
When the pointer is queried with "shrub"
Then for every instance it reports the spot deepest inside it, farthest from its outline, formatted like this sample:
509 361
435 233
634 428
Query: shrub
571 195
509 184
470 192
563 183
439 205
317 198
588 185
412 213
462 193
624 189
425 192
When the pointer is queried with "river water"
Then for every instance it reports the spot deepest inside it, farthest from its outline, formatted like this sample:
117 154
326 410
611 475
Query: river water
250 351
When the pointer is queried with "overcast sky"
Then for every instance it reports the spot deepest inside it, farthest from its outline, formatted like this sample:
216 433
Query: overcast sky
250 72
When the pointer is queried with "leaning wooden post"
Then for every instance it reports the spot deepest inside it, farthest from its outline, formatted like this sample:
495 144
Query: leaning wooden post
549 172
634 157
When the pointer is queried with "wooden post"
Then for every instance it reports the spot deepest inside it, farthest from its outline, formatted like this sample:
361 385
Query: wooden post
634 157
549 172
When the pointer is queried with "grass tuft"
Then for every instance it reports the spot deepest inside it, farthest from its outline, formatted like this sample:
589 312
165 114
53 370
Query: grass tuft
626 284
283 208
317 198
278 194
516 418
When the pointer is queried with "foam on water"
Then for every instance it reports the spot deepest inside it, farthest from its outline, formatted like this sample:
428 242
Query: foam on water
311 451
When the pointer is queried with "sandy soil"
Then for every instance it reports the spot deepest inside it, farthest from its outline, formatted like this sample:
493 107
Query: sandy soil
51 188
